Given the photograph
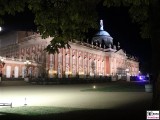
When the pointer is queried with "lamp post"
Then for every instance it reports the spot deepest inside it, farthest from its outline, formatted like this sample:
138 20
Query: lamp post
2 63
27 64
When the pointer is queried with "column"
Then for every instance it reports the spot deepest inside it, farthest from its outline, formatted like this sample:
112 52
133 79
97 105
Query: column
63 61
77 60
56 62
70 60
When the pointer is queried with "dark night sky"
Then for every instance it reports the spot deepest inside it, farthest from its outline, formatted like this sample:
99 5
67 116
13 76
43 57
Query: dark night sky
116 22
120 26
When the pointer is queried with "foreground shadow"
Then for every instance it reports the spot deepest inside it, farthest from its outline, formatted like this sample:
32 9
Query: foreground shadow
82 115
134 111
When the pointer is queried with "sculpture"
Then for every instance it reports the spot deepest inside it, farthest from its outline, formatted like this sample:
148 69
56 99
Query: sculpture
102 36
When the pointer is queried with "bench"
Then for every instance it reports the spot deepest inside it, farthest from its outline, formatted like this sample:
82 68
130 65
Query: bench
6 104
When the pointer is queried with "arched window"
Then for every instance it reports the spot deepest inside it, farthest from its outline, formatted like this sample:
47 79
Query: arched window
23 72
16 72
8 71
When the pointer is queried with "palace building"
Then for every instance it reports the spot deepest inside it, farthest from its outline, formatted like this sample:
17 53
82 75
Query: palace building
22 54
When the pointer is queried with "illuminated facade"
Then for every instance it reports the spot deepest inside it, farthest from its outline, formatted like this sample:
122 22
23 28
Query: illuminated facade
82 59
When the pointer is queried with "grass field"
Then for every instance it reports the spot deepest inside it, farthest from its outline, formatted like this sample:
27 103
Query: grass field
119 87
59 113
35 110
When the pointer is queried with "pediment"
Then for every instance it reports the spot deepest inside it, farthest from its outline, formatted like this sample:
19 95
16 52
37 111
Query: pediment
121 52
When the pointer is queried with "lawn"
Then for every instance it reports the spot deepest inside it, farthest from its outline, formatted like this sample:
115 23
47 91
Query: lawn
59 113
34 113
119 87
74 101
34 110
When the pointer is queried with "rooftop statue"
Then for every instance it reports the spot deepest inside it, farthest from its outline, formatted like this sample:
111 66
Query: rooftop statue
103 36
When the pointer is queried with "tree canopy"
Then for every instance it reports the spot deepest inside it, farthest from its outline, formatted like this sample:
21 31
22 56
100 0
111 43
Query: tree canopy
139 11
64 20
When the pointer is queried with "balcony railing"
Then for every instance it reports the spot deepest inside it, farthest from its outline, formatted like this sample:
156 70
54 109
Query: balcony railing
31 37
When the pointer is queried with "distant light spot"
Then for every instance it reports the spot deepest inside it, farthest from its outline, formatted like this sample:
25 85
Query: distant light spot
94 87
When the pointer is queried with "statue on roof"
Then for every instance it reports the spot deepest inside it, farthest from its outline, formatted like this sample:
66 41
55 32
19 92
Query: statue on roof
102 36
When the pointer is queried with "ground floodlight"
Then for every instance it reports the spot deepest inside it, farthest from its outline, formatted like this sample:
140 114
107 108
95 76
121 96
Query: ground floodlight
94 87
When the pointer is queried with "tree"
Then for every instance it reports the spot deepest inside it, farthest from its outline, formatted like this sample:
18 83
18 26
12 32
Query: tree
146 13
64 20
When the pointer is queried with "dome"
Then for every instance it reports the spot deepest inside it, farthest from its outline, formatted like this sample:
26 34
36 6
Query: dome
102 35
102 32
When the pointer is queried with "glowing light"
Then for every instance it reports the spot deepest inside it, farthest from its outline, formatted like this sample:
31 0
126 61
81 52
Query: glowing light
55 72
0 29
141 78
81 73
2 59
139 72
52 72
68 72
94 87
27 62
